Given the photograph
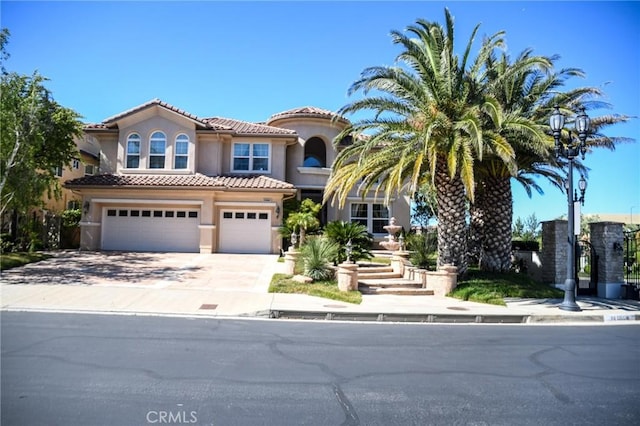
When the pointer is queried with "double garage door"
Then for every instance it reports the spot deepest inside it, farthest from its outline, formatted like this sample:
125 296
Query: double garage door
147 229
177 230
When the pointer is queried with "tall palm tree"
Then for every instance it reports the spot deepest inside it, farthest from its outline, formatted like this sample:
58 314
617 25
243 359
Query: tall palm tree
528 90
426 124
511 84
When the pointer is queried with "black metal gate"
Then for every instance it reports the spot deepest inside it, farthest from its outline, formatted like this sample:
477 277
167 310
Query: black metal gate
631 264
586 269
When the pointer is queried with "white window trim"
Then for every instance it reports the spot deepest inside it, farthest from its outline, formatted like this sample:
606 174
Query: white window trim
370 218
175 151
126 151
164 154
251 170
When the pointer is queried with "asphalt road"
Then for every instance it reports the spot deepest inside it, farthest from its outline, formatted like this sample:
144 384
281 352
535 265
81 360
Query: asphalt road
76 369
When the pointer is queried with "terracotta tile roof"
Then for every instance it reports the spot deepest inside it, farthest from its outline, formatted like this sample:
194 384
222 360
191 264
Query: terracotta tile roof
196 181
247 128
111 121
253 182
307 111
95 126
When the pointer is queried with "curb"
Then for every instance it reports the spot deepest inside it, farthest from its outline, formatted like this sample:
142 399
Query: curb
447 318
398 317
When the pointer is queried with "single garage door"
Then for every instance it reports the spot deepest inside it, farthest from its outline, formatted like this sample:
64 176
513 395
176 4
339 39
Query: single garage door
143 229
245 231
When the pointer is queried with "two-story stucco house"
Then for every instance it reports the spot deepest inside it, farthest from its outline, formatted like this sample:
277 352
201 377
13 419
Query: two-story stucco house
172 181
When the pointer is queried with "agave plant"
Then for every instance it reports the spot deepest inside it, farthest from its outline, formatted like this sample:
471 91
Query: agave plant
341 232
316 255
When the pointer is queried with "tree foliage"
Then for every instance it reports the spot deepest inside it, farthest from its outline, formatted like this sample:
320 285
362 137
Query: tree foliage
527 229
305 218
37 138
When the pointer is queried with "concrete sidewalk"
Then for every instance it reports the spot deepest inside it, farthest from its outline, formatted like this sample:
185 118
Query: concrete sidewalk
207 286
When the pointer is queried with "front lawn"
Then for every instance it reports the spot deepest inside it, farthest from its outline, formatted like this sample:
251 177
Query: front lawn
12 260
492 288
281 283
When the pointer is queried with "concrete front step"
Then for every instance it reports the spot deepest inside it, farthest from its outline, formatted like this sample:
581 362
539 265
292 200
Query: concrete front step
374 269
399 291
396 282
378 275
382 280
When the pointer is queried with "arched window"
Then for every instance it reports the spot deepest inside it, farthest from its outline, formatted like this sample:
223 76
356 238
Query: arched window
157 148
315 153
133 151
181 156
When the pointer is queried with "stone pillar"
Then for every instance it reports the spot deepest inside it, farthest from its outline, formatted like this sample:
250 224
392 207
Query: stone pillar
607 239
290 258
444 280
554 252
347 276
399 261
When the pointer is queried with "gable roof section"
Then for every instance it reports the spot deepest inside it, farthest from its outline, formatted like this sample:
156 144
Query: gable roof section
111 122
248 128
182 181
307 112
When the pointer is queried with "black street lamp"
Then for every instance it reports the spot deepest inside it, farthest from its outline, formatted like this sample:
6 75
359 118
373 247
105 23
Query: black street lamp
570 150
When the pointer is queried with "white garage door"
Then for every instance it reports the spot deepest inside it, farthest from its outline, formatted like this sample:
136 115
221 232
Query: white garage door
141 229
243 231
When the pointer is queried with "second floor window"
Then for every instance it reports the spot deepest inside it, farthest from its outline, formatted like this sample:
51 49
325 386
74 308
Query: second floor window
181 156
133 151
315 153
89 169
251 157
157 147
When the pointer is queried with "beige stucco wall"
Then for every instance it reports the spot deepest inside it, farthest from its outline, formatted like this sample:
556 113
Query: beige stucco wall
108 152
209 153
308 128
171 126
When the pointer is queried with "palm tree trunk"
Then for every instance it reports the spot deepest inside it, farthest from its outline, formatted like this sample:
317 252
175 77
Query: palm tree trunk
303 236
476 225
497 206
452 225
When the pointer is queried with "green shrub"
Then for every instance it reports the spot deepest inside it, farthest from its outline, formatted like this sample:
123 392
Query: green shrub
6 243
316 255
71 217
423 248
340 233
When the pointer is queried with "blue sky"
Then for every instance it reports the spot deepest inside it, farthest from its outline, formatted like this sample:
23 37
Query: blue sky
249 60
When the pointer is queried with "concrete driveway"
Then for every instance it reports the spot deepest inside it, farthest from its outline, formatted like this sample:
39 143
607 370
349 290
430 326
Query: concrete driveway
222 272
